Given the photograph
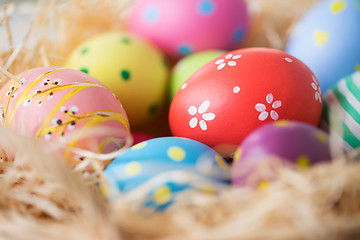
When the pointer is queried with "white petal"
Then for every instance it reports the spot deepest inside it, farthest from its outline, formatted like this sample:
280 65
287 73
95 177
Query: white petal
232 63
317 96
277 104
70 127
274 115
193 122
237 56
208 116
288 60
63 108
314 86
74 109
260 107
47 137
183 86
204 106
269 98
263 116
228 56
236 89
220 61
221 66
203 125
192 110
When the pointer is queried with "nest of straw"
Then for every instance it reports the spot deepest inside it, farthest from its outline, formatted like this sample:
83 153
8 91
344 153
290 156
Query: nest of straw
41 198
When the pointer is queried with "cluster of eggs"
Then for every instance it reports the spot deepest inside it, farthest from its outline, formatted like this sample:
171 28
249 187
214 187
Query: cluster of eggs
226 102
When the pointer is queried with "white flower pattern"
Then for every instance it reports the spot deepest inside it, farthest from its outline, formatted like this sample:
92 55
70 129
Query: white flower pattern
263 110
316 87
204 115
228 59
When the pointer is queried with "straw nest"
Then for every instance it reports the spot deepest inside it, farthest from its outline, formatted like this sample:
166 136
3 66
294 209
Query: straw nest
41 198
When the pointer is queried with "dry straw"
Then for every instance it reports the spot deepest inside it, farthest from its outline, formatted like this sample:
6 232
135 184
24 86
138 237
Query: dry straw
41 198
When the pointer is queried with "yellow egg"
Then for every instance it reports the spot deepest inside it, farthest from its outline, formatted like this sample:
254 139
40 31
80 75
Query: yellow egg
133 69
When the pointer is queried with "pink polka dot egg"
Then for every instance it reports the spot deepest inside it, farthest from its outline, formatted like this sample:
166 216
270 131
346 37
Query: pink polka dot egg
65 106
181 27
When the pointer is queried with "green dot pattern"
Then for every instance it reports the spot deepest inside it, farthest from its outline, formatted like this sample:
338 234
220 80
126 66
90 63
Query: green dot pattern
125 40
125 75
153 109
84 70
83 51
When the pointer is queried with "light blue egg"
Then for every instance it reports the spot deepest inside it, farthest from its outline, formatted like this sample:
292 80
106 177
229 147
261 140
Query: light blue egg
164 167
327 40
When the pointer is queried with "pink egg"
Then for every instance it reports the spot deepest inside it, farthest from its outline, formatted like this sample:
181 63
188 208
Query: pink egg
181 27
65 106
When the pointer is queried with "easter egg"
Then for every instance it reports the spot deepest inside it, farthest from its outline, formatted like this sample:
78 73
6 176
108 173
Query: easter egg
342 112
181 27
139 137
65 106
232 95
130 67
188 65
165 167
327 40
298 143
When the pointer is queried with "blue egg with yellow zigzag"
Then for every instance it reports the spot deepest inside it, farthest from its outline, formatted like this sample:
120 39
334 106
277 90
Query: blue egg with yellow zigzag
327 40
162 168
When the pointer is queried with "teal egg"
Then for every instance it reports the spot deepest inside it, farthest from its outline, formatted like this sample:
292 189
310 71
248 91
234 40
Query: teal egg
164 167
342 112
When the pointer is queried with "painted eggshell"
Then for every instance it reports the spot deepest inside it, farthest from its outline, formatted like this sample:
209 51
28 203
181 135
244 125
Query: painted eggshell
65 106
130 67
139 137
229 97
290 141
181 27
188 65
327 40
163 167
342 112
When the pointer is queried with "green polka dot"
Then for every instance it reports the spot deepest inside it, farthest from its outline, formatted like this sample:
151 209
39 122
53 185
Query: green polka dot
84 70
153 109
85 50
125 40
125 75
176 153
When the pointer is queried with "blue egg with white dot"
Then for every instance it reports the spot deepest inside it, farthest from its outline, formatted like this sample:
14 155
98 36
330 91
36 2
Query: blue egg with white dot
327 40
162 168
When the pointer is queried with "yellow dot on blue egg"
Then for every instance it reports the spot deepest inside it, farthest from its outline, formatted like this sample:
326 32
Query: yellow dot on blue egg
337 6
176 153
303 161
162 195
321 38
133 169
206 7
139 146
357 67
221 162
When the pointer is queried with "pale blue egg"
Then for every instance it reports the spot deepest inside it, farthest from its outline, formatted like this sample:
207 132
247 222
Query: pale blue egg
163 167
327 40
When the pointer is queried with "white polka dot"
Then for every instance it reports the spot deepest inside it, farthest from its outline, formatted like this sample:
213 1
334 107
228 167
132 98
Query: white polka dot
289 60
228 56
183 86
236 89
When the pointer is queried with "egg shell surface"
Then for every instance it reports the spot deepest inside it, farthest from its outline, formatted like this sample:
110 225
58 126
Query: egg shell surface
181 27
170 165
290 141
188 65
342 111
327 40
239 91
66 106
130 67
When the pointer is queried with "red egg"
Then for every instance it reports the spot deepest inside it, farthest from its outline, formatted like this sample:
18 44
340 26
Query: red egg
229 97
